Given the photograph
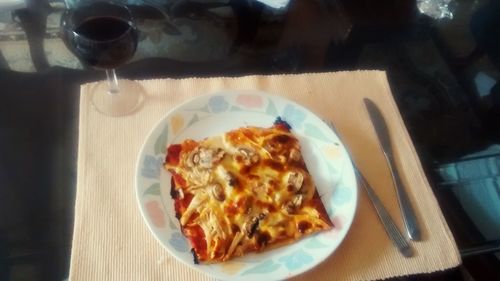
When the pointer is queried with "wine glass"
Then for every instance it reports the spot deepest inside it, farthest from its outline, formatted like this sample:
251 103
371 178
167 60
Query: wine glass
103 35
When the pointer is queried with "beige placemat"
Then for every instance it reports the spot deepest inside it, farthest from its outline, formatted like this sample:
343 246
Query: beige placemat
112 242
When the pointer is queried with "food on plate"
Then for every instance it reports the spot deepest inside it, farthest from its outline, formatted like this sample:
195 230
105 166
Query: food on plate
243 191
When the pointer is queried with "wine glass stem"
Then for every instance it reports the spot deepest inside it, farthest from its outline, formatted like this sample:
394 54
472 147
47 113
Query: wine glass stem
112 81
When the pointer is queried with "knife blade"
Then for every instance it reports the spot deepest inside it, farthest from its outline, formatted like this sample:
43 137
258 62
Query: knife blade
382 131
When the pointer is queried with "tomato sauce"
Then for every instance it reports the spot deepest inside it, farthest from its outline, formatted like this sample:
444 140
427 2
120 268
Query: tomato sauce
173 154
197 240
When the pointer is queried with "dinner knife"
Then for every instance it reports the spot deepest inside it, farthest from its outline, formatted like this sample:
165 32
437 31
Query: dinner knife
382 131
389 225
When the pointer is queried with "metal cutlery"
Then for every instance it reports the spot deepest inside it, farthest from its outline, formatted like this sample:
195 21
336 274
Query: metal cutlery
389 226
382 132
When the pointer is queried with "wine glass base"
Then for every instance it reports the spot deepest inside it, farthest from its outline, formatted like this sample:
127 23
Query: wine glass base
126 101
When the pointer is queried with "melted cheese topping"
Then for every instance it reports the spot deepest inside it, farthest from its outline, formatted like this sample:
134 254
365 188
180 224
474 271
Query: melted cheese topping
250 188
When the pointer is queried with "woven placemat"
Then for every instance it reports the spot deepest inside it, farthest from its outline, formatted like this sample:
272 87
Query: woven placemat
112 242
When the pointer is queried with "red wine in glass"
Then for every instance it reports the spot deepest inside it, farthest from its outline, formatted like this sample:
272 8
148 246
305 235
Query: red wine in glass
104 42
103 35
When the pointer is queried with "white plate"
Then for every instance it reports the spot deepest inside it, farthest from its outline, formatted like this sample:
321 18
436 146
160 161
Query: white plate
208 115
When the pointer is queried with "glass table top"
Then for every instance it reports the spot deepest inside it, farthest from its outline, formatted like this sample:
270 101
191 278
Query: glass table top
442 63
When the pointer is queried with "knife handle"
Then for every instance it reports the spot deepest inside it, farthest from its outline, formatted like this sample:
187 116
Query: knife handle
409 218
390 227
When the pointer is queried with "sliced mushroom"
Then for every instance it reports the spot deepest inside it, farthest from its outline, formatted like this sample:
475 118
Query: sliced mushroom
293 205
249 154
204 158
296 180
270 147
192 159
217 192
294 154
250 226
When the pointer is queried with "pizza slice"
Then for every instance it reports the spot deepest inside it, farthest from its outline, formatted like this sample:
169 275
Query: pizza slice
246 190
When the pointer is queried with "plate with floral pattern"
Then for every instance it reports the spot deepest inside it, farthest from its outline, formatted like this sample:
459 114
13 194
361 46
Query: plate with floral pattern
208 115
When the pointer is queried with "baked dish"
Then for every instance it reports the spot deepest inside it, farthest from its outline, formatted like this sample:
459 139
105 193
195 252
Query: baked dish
246 190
